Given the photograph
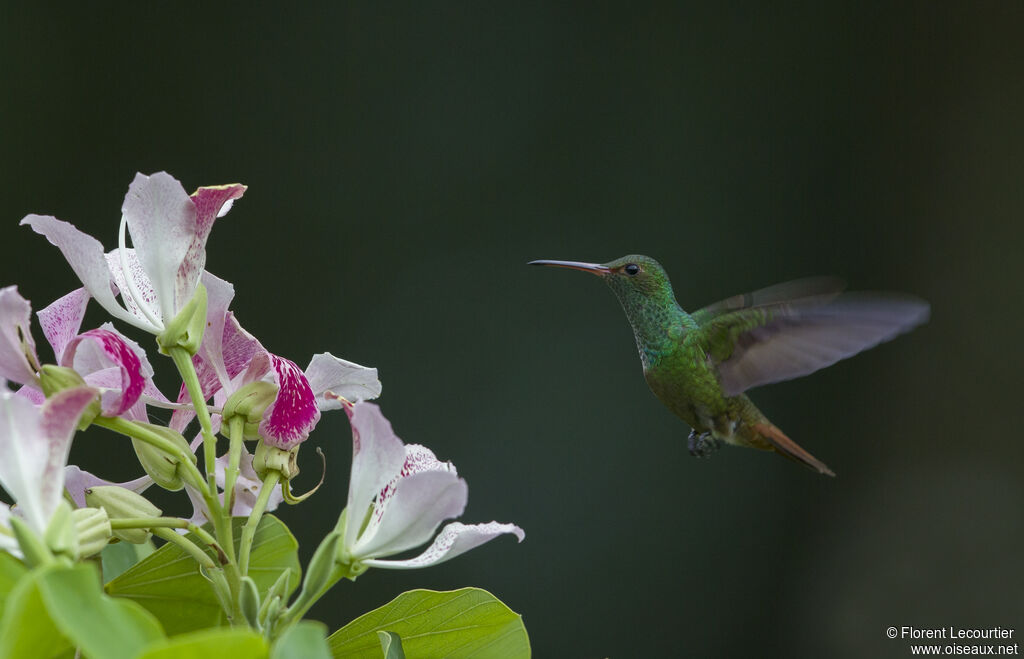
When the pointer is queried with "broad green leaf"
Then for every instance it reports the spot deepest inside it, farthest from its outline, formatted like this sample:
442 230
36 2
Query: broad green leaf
97 623
456 624
391 645
169 585
117 557
27 629
11 571
228 643
304 640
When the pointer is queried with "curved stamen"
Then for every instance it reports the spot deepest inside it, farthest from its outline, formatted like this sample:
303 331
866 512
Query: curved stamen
133 291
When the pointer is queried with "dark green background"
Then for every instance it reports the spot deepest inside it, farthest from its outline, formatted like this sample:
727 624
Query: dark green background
404 162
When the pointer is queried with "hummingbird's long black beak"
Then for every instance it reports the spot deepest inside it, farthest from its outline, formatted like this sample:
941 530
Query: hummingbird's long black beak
592 268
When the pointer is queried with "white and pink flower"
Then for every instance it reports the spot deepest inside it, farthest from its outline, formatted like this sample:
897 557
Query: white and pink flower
398 495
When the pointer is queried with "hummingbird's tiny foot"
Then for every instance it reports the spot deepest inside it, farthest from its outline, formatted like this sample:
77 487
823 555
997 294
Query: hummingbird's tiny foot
701 445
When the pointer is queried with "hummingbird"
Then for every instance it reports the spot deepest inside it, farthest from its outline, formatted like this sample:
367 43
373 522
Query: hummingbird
699 364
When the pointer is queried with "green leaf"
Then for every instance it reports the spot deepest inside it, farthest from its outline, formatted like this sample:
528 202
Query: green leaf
225 642
100 625
117 557
27 629
11 571
304 640
391 644
456 624
169 585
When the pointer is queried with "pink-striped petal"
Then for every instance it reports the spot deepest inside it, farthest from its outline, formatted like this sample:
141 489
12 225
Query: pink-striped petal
62 319
16 337
162 220
107 346
456 538
288 420
343 378
210 203
34 446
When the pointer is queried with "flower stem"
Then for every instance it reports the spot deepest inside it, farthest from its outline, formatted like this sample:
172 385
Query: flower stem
249 530
236 428
171 523
190 378
185 545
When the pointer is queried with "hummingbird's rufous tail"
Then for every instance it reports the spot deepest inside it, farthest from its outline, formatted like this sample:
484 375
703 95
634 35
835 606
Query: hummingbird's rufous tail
790 449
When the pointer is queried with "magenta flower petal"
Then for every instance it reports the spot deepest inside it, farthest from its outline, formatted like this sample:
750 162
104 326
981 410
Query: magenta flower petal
455 538
288 421
210 203
97 350
62 319
15 317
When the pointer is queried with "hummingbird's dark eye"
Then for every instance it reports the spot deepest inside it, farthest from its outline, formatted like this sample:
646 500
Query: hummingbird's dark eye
631 269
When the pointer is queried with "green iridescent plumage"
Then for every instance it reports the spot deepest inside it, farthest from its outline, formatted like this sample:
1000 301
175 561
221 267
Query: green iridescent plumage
700 364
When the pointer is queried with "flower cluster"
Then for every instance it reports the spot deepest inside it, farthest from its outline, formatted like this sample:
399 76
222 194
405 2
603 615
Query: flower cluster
232 386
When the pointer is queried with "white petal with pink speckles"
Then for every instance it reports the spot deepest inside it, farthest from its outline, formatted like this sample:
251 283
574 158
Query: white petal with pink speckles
456 538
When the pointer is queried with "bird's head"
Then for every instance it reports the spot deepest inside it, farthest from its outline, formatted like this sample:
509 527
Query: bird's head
630 276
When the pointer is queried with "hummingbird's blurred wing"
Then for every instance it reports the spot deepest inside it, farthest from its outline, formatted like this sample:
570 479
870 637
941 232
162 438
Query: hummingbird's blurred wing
793 329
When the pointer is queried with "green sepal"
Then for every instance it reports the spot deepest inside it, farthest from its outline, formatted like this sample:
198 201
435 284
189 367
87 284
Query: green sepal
321 571
270 458
54 379
60 535
249 403
457 624
279 590
249 601
32 546
122 503
186 329
92 528
164 468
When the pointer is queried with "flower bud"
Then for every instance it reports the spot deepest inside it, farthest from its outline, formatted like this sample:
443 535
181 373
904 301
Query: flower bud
270 458
321 567
249 601
165 469
122 503
53 379
93 528
186 329
250 402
